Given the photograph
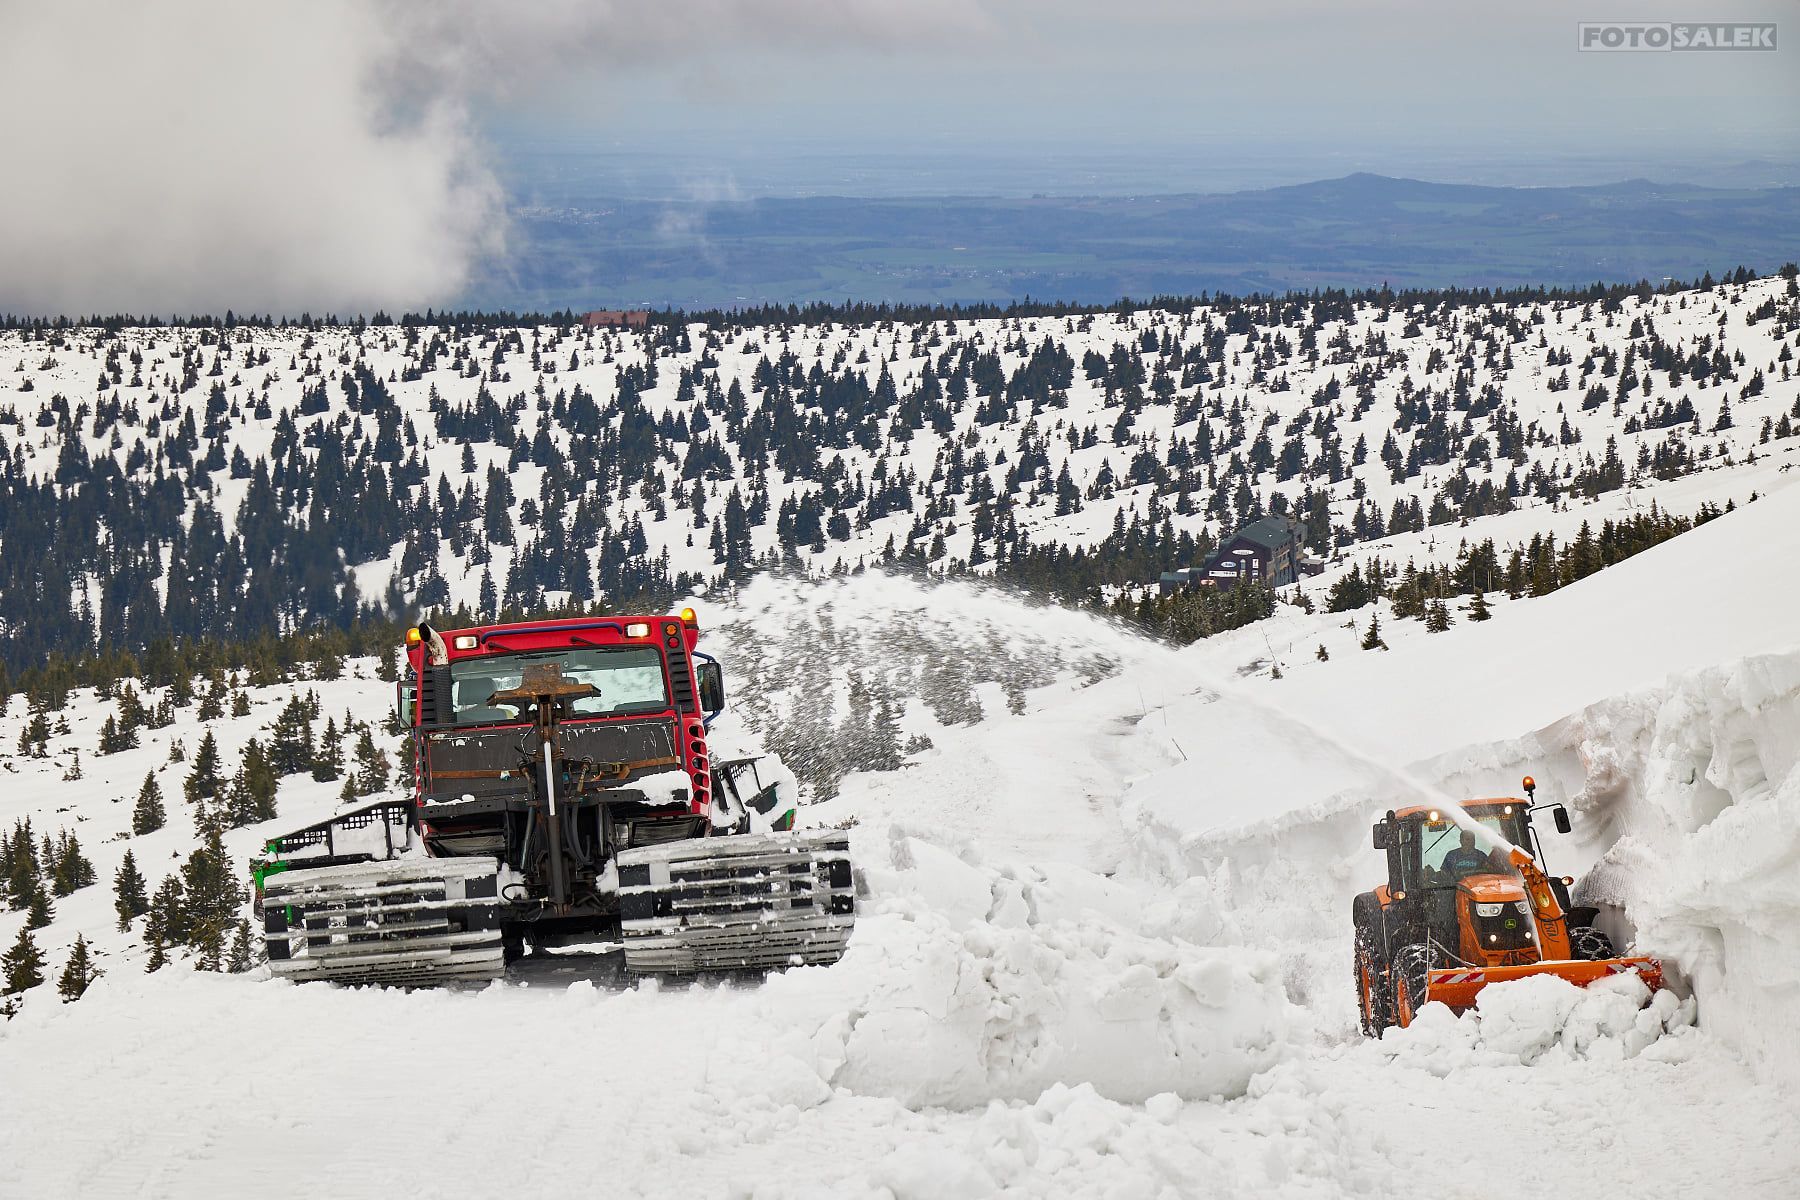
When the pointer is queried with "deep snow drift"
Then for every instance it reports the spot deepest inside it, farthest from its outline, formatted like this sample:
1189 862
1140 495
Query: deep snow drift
1104 945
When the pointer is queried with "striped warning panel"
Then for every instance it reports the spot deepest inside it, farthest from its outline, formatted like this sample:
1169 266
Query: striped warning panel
1458 977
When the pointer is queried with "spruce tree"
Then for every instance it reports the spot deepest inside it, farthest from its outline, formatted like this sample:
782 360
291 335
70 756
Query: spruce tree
243 949
260 782
1478 608
129 900
212 898
371 765
70 871
1409 595
1372 639
203 781
131 709
23 965
212 705
208 942
328 760
157 944
148 816
1323 655
115 738
168 921
79 975
22 879
1437 617
40 912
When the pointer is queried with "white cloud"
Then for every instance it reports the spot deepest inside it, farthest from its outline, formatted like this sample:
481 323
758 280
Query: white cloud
196 155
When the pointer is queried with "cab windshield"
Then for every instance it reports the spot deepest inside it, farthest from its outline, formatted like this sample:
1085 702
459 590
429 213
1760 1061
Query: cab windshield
1448 855
627 679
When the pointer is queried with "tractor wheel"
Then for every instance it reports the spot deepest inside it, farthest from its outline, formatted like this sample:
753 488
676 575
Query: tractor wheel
1372 1006
1411 976
1590 945
1371 992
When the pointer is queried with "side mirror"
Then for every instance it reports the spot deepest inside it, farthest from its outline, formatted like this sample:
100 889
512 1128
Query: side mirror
1561 816
1382 836
710 679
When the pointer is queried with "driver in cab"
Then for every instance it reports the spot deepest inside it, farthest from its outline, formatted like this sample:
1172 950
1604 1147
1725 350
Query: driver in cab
1466 860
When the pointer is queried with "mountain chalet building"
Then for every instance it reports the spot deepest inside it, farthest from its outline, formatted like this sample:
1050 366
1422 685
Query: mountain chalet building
1267 551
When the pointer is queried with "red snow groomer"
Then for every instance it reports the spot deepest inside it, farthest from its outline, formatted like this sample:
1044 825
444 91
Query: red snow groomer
1456 914
562 792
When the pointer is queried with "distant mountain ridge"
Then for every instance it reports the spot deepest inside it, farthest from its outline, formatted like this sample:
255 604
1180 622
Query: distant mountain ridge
1358 230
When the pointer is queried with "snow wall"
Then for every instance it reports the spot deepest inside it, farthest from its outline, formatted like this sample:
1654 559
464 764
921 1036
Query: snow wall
1686 807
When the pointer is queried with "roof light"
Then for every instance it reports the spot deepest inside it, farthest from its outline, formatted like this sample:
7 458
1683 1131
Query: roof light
413 636
466 641
689 617
1434 816
1530 785
638 629
1507 811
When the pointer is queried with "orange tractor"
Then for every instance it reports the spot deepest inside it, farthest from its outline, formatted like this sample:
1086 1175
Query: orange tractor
1456 915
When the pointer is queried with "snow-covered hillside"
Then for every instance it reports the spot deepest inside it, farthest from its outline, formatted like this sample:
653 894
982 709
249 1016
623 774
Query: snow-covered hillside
1104 947
224 482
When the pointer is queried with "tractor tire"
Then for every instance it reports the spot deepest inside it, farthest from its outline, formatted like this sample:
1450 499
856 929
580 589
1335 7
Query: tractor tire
1411 976
1372 1008
1588 944
1371 993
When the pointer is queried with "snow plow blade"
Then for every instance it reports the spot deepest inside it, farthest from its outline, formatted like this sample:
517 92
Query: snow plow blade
736 903
1458 986
413 922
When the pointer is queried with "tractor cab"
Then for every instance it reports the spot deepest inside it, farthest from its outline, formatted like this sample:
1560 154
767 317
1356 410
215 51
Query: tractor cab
1469 898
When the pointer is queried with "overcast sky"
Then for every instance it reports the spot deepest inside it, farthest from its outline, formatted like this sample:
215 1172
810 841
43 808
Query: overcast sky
194 155
1371 74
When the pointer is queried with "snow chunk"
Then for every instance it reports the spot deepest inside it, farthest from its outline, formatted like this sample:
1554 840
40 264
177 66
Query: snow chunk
1543 1018
934 1011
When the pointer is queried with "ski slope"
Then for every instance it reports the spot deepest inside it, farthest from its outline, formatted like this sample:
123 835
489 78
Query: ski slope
1104 948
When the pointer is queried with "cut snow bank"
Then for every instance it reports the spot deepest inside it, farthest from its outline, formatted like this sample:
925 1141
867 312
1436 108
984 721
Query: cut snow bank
1699 783
1686 804
968 984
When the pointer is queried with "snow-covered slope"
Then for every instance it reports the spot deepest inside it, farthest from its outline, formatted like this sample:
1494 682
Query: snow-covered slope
417 462
1104 948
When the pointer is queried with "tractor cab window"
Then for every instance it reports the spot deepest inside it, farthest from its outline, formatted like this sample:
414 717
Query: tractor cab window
1450 852
626 679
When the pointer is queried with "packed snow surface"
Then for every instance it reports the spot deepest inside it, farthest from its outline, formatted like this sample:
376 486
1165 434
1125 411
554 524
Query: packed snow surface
1103 946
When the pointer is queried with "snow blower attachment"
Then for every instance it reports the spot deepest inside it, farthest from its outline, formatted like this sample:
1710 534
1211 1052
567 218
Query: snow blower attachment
562 793
1456 916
